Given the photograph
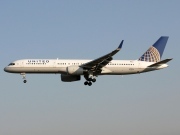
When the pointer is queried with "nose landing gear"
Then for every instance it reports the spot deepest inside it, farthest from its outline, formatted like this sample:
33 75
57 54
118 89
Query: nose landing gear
25 81
24 77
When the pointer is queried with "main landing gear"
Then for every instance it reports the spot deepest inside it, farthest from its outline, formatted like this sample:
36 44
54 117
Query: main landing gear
24 77
89 79
88 83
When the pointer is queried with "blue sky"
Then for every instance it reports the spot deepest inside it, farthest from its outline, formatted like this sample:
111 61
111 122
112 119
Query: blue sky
137 104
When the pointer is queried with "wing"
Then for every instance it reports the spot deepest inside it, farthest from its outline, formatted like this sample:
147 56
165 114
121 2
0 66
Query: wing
97 64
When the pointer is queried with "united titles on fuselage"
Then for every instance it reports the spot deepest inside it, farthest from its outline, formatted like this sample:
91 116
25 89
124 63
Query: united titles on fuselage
38 61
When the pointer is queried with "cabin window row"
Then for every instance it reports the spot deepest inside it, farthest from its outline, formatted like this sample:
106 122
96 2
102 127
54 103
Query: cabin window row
119 64
83 63
36 63
70 63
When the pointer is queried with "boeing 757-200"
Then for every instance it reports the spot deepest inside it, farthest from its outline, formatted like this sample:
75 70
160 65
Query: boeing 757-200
71 70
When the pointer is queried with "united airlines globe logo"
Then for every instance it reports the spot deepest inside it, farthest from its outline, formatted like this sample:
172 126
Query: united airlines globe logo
151 55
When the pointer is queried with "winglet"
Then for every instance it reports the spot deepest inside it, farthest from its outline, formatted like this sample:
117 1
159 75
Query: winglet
120 45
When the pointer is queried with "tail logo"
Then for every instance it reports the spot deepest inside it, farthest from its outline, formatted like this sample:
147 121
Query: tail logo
151 55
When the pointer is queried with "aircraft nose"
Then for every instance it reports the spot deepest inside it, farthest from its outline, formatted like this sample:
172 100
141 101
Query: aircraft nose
6 69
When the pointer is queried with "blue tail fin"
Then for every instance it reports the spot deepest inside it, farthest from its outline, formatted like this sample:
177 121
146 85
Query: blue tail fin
154 53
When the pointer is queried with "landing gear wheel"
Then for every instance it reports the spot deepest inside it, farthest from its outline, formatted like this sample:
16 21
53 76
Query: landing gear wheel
89 79
86 83
93 80
25 81
90 83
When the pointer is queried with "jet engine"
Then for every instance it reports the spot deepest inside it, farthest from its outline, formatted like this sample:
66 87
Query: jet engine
70 78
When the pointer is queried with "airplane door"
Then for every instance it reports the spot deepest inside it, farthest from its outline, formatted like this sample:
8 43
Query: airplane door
54 64
139 66
22 64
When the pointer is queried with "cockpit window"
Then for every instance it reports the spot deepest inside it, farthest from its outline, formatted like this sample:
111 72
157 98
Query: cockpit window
11 64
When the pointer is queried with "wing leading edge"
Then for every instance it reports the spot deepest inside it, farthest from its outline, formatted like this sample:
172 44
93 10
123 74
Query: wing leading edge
97 64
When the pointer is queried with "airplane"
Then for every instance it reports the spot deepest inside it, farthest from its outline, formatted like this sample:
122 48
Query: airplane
72 70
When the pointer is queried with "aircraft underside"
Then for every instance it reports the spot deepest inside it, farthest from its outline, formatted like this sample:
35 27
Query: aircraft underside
88 75
72 70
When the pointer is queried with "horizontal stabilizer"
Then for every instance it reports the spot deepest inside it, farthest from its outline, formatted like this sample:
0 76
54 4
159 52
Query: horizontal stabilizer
160 63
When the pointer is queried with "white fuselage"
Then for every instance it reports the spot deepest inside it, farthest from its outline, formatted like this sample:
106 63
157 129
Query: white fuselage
115 67
71 70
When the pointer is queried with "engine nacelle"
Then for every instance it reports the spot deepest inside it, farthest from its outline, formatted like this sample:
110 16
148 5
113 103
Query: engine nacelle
75 70
70 78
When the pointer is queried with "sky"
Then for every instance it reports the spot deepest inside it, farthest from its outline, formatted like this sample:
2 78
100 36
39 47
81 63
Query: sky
141 104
